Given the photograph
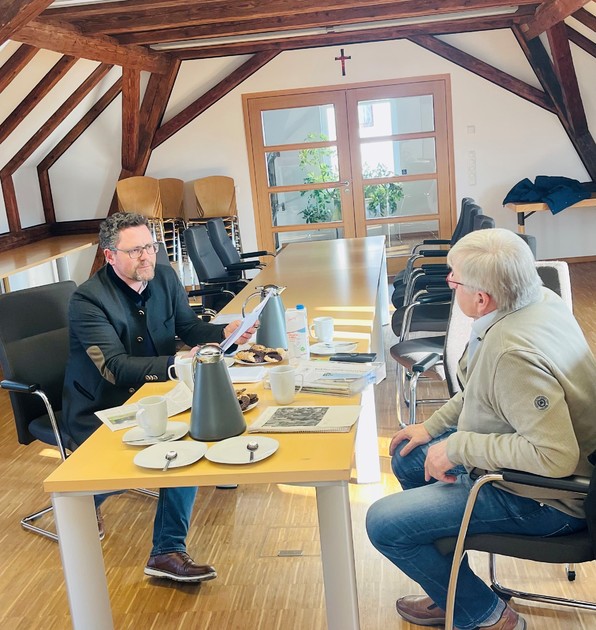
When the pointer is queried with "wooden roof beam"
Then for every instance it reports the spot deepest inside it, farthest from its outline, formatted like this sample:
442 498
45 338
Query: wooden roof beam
14 119
586 18
213 95
18 60
14 14
581 40
565 70
548 14
543 69
69 40
485 70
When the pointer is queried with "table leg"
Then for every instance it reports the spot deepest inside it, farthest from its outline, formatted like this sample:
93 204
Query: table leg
521 222
82 561
337 554
62 268
366 447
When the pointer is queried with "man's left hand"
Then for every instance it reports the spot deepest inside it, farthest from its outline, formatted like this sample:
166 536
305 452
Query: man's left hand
437 463
245 338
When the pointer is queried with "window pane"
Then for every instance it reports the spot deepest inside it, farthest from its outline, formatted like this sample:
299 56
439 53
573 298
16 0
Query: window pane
307 166
282 238
401 237
390 116
306 206
290 126
406 157
400 199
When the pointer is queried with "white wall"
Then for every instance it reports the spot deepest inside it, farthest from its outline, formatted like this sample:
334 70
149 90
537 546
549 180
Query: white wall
508 137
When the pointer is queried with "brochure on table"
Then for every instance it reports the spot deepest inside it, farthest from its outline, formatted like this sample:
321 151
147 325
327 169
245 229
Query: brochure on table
290 419
178 400
343 379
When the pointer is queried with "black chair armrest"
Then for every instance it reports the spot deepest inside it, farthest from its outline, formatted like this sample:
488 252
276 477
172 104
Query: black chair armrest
21 388
256 254
200 292
573 483
241 266
425 364
433 253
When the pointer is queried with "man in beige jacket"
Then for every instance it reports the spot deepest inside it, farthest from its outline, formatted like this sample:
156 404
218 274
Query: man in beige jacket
527 402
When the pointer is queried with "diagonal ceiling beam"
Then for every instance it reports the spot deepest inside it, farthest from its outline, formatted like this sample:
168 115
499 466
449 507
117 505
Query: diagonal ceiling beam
19 59
581 40
213 95
586 18
543 69
26 106
565 70
548 14
16 13
485 70
68 40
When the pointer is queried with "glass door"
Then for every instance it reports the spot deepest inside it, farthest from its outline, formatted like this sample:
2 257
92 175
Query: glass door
302 167
365 161
400 164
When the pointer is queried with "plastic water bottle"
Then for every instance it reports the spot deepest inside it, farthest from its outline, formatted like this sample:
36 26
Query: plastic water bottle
297 331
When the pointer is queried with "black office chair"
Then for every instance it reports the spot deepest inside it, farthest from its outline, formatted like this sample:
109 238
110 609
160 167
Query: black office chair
434 249
200 309
33 355
209 269
231 258
571 548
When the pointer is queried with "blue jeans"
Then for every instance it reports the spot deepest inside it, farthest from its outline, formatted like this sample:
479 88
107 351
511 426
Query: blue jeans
172 518
403 527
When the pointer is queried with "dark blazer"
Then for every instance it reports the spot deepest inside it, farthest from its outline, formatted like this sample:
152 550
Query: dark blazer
108 343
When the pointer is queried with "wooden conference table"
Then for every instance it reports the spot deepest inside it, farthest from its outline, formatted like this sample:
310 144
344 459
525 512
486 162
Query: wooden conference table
49 250
343 279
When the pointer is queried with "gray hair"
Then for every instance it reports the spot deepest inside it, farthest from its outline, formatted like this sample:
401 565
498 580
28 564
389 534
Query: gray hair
500 263
109 230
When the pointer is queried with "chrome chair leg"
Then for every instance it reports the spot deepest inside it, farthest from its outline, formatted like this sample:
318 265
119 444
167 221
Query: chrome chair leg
27 523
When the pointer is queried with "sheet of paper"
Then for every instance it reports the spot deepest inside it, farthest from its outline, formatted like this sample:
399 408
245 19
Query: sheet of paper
178 399
247 323
246 374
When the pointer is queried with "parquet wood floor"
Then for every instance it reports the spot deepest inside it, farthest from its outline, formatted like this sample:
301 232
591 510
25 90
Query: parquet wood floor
241 532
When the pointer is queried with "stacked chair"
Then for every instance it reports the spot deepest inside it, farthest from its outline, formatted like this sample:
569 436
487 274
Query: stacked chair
142 194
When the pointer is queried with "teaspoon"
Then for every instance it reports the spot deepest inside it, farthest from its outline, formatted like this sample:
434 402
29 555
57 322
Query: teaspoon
170 456
252 447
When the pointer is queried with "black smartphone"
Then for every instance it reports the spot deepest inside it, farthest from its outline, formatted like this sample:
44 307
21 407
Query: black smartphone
354 357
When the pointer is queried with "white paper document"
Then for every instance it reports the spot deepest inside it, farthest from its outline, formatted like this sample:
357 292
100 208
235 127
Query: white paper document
178 400
246 374
248 322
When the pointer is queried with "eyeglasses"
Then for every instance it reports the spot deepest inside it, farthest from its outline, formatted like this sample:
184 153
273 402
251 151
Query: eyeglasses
453 284
137 252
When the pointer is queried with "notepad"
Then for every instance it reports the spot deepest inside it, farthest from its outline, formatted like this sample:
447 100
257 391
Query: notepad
307 419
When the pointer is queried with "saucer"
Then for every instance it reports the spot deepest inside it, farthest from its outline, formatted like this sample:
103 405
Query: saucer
155 456
234 451
137 437
327 349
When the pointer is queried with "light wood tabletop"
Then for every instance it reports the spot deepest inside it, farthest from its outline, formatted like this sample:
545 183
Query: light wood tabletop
44 251
344 279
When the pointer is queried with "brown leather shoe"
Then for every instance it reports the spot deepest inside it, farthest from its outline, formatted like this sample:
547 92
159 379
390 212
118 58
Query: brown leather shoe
179 566
509 620
421 610
100 525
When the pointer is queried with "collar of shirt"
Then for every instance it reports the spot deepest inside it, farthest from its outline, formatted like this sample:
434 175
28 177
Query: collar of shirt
138 298
479 327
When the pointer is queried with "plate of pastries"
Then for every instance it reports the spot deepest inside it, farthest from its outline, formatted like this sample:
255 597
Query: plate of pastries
258 354
246 400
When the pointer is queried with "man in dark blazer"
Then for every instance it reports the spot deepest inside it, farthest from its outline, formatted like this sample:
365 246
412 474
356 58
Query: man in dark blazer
123 323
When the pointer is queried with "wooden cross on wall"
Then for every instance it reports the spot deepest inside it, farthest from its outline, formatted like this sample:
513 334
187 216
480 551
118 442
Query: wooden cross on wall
342 58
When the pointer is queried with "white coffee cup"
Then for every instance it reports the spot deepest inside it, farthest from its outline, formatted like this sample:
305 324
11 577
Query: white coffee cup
282 380
322 329
184 371
152 415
